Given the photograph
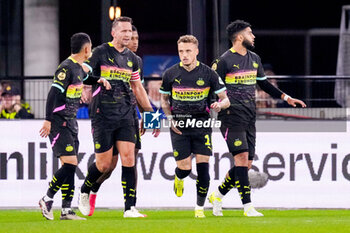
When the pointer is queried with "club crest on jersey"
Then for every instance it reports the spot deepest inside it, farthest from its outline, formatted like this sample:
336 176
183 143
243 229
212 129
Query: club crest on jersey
200 82
129 63
255 65
214 66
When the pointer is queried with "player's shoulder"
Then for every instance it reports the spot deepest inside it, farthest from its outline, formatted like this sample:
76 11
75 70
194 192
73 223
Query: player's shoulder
253 54
65 65
139 59
172 69
224 58
102 48
206 69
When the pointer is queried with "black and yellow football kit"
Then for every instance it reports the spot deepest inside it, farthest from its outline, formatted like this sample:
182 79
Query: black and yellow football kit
61 109
112 111
241 74
62 106
190 94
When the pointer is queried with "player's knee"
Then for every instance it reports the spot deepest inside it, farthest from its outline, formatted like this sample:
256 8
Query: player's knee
241 160
103 166
128 160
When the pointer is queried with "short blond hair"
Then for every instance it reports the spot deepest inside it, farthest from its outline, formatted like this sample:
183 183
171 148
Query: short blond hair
121 19
188 39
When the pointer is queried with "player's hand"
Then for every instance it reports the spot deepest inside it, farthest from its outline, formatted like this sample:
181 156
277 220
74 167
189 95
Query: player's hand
216 106
156 132
173 128
105 83
45 130
142 129
293 102
86 94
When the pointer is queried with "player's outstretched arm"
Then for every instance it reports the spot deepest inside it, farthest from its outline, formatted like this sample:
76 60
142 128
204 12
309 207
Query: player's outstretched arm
293 102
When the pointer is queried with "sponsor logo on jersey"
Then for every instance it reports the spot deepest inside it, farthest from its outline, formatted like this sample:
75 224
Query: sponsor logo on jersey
190 94
245 77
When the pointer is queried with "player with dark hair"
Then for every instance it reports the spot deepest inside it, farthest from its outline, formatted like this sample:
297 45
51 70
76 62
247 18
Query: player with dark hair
133 46
242 69
186 91
61 125
112 114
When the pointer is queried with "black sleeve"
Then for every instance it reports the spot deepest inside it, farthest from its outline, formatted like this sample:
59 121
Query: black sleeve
165 88
220 67
216 83
62 78
51 102
270 89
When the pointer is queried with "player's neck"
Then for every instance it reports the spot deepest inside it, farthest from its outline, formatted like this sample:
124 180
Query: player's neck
78 57
191 66
119 47
239 48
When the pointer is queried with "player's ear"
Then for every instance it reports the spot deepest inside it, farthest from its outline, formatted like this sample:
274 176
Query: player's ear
112 32
240 37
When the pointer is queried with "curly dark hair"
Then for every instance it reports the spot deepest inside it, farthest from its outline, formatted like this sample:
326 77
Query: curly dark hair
236 26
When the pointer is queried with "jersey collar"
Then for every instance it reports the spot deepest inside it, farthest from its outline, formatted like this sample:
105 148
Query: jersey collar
232 50
73 60
181 65
111 45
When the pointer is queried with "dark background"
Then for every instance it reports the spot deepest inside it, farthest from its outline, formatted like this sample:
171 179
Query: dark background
160 23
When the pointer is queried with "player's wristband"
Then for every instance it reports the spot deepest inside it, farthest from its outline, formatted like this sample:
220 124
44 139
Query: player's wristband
286 97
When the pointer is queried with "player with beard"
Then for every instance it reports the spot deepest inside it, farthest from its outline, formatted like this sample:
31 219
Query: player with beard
242 70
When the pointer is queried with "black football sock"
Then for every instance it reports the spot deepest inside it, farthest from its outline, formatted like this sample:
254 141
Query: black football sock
67 188
58 179
128 184
229 182
181 174
96 186
242 184
203 180
90 179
